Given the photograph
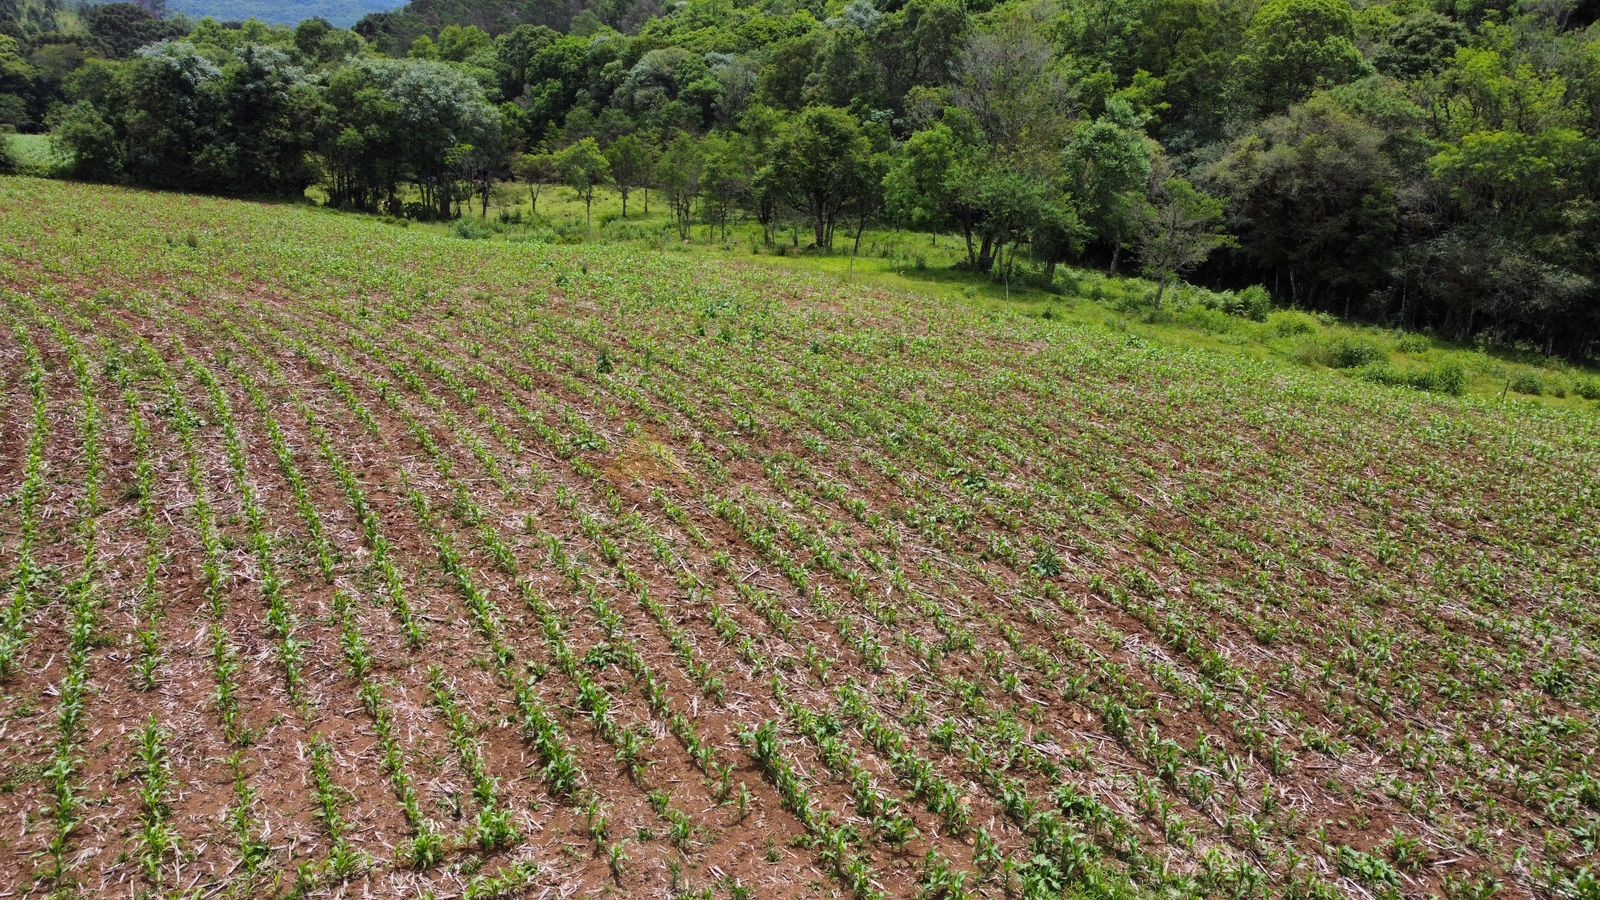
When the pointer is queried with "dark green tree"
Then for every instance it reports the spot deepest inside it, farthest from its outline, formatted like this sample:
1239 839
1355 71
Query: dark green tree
822 163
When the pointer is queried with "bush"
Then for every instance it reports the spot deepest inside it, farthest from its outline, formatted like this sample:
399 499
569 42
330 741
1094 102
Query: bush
1212 321
1383 373
1527 383
1289 322
472 230
1352 352
1411 342
8 159
1445 378
1587 388
1251 303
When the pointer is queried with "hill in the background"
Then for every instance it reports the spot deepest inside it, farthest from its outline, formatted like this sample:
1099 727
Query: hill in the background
342 13
394 31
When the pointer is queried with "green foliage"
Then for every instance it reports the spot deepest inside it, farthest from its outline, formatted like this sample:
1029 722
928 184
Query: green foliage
1290 322
1346 352
1296 46
1445 378
1178 230
1252 303
821 163
1528 383
1310 193
121 28
583 168
632 164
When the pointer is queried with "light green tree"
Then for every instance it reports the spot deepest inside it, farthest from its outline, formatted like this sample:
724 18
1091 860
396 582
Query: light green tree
583 168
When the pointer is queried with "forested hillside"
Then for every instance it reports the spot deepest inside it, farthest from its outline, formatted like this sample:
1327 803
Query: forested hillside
1423 163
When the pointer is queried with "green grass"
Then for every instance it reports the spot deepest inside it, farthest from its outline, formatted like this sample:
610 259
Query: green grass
923 264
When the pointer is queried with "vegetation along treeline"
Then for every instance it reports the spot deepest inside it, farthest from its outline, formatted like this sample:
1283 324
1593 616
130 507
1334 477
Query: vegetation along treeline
1424 163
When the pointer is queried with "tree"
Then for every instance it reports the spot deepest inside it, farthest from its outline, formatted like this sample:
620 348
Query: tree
727 179
1312 196
121 28
1108 161
822 162
1296 46
1009 82
437 109
458 43
1421 44
259 132
16 82
170 92
1518 247
1059 234
924 37
534 169
583 168
357 137
681 173
1180 228
1008 203
631 165
514 52
917 187
477 167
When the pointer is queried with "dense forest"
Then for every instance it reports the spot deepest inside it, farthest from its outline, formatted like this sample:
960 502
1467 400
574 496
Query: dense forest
1422 163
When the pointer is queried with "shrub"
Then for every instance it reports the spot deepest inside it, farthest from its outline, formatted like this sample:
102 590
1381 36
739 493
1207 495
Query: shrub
1587 388
1445 378
8 159
472 230
1411 342
1527 383
1251 303
1289 322
1351 352
1311 353
1213 321
1383 373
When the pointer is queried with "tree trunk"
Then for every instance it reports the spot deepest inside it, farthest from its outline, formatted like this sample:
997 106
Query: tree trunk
986 254
855 249
624 204
1116 253
1161 288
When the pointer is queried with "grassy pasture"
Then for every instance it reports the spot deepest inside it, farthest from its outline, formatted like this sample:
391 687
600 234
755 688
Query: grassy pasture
921 263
